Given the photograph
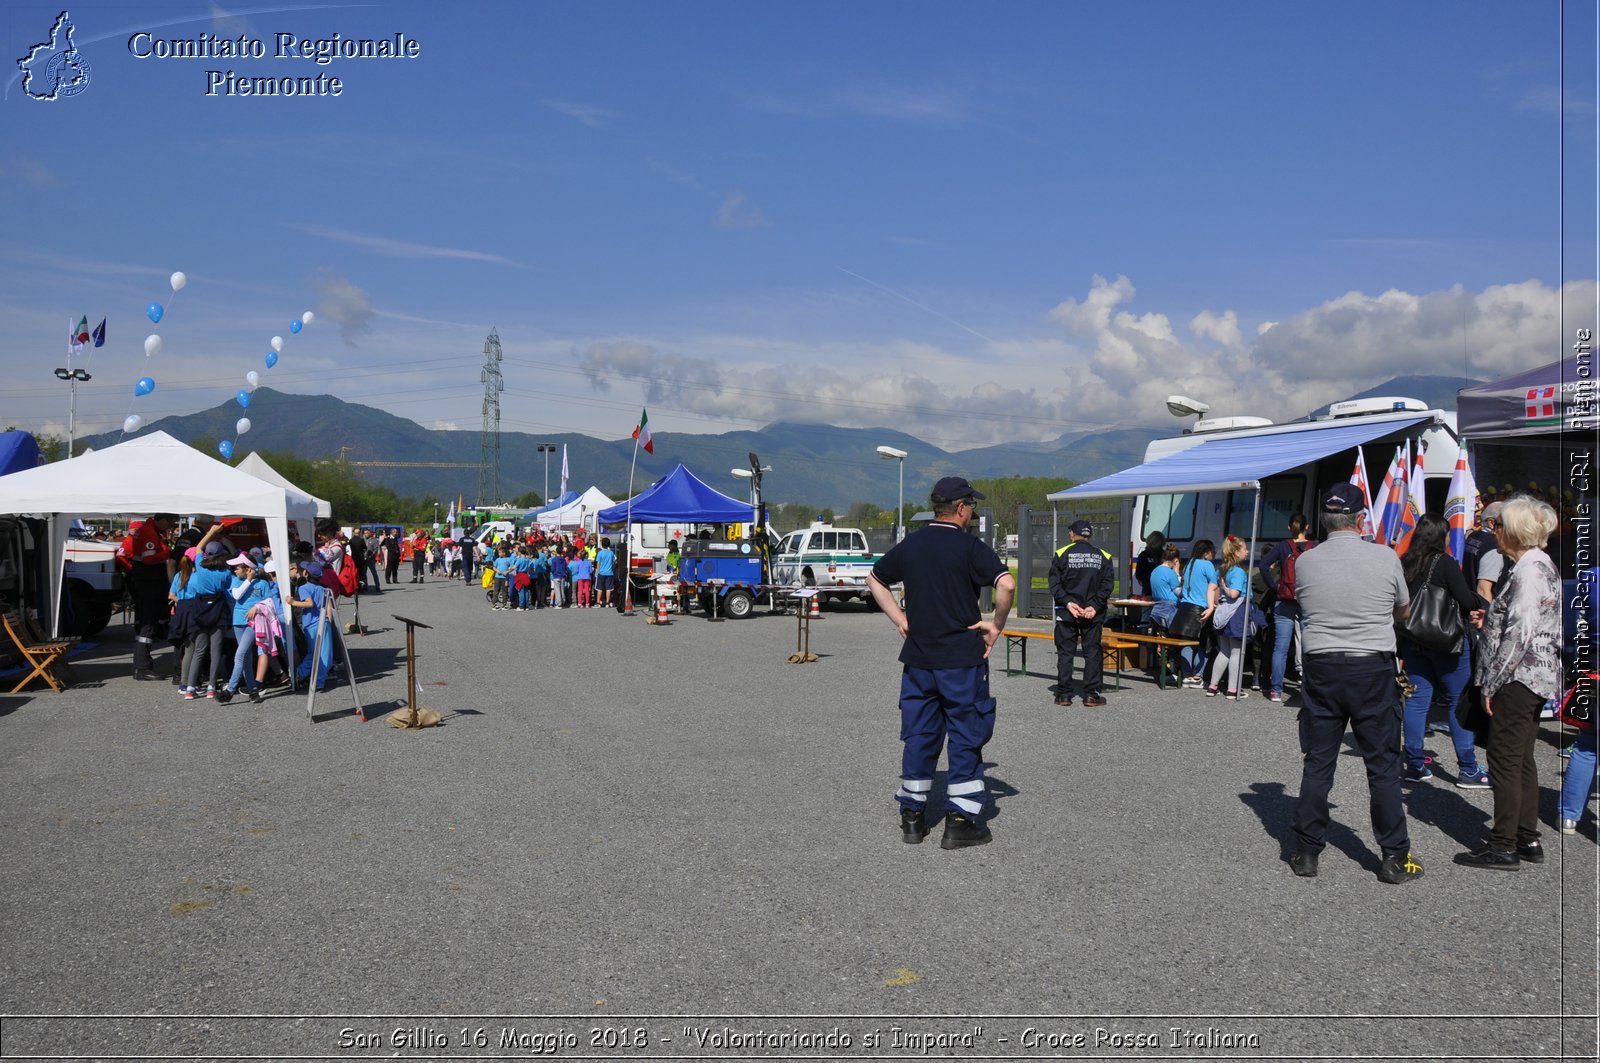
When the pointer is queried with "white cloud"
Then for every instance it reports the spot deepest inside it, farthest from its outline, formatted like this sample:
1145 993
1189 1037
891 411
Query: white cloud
343 303
733 214
392 248
1220 328
589 115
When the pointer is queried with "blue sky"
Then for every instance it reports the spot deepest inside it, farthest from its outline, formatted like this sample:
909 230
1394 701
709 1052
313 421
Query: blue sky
975 223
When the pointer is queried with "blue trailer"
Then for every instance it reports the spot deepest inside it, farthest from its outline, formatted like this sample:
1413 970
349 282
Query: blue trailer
722 577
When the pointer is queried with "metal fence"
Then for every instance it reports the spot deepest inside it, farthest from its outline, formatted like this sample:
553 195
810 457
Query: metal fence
1041 534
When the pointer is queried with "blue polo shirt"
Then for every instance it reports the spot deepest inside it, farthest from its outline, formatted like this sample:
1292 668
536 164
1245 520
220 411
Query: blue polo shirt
943 569
1200 575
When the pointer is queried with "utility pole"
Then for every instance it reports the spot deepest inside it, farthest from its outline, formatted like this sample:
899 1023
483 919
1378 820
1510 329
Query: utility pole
493 384
547 449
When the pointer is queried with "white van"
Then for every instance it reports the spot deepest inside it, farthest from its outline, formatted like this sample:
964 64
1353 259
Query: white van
1214 514
835 560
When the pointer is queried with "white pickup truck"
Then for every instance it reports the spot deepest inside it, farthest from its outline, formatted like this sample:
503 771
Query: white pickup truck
834 560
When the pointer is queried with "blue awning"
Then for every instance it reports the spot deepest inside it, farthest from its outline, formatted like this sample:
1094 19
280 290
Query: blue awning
1240 462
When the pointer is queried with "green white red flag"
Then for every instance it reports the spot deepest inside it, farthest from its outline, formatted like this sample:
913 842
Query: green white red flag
642 432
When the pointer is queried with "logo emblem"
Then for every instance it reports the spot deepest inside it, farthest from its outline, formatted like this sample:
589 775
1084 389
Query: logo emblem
55 69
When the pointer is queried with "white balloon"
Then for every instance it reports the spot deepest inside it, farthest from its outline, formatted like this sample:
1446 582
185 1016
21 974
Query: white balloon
178 281
277 343
152 344
252 378
307 317
132 423
242 425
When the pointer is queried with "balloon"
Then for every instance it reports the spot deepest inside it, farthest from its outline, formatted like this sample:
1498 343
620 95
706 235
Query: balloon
154 313
272 359
152 344
225 448
307 317
243 398
132 423
242 425
253 379
144 386
277 343
295 327
178 281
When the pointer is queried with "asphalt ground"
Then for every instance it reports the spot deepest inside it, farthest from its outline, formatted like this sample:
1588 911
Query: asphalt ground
677 834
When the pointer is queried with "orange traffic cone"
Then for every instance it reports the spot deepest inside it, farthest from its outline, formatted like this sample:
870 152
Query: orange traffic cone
816 608
661 609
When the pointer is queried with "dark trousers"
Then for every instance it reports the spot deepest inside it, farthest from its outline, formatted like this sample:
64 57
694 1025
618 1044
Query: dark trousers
1072 638
940 703
147 584
1358 691
392 568
1512 731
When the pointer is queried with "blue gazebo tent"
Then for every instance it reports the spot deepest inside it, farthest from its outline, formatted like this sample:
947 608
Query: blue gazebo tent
678 496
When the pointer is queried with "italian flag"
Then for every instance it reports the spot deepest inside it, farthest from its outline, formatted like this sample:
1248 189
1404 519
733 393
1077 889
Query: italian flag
642 432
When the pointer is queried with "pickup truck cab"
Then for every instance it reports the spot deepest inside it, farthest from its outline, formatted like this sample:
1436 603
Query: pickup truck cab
834 560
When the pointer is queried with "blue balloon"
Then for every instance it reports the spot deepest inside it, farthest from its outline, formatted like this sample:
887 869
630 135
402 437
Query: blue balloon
225 448
272 359
144 386
154 312
243 398
295 326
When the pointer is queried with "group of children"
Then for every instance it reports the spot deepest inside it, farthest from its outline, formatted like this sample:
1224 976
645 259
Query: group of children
552 573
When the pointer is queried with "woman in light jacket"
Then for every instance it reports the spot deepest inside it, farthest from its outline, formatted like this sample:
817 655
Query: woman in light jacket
1519 669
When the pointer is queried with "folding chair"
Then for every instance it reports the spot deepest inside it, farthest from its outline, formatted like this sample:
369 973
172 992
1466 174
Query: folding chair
48 659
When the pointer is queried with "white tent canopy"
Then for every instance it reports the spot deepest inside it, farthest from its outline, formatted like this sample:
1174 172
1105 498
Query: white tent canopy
257 466
154 473
579 513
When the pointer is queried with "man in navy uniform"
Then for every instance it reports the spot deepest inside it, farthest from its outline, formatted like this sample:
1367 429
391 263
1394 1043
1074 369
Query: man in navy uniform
944 680
1081 579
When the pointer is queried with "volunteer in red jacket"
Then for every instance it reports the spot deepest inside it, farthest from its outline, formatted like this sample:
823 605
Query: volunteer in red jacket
143 557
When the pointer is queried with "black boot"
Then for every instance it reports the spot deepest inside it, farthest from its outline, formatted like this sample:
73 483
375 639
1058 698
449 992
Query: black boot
961 832
912 826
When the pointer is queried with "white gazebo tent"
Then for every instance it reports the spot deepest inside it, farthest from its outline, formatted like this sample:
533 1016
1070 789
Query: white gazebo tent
579 513
257 466
154 473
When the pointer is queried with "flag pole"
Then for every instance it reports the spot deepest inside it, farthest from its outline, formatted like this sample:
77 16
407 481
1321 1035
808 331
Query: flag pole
627 532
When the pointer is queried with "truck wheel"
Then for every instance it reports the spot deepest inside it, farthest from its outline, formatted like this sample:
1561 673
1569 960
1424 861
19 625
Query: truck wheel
86 612
738 605
808 578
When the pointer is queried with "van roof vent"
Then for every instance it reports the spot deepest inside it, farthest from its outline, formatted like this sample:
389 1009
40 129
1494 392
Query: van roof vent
1377 404
1222 424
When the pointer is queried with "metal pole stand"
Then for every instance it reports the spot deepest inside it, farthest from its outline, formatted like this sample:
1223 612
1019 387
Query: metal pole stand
412 717
325 630
802 654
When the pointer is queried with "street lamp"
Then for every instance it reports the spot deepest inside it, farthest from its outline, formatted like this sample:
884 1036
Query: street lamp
547 449
892 454
72 376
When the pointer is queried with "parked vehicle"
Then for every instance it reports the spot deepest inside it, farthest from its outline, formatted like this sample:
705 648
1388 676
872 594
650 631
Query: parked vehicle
834 560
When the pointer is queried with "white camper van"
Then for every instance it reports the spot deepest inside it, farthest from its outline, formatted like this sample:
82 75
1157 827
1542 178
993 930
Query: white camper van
1212 492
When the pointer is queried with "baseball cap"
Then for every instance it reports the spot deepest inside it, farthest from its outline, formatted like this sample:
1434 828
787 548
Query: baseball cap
1081 527
271 566
1491 511
215 550
1343 498
190 553
955 488
242 559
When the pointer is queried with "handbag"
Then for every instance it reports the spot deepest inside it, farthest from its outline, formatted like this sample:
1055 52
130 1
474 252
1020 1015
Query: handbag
210 611
1187 622
1435 620
1223 616
1246 621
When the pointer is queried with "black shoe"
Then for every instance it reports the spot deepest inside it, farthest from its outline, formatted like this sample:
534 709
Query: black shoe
1398 868
148 675
224 695
255 696
1304 863
1530 852
1064 701
960 832
1093 701
1492 859
913 828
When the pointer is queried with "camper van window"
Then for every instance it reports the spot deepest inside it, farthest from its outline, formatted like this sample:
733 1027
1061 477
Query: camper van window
1281 498
1172 515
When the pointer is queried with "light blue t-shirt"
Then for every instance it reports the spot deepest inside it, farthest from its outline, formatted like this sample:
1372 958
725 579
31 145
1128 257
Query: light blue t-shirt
1164 584
605 563
1197 578
258 589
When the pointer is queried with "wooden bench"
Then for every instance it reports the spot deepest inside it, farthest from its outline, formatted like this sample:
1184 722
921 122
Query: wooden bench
1113 644
1161 644
47 658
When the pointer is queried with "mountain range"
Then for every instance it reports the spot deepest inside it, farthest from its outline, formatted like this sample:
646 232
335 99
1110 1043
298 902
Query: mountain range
817 464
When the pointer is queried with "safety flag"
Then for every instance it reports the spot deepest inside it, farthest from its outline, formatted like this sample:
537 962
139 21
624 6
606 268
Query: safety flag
1391 498
1460 504
1358 477
100 333
563 492
642 432
1416 504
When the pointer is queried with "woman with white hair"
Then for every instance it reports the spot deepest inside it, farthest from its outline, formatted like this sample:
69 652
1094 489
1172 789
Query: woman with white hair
1519 668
